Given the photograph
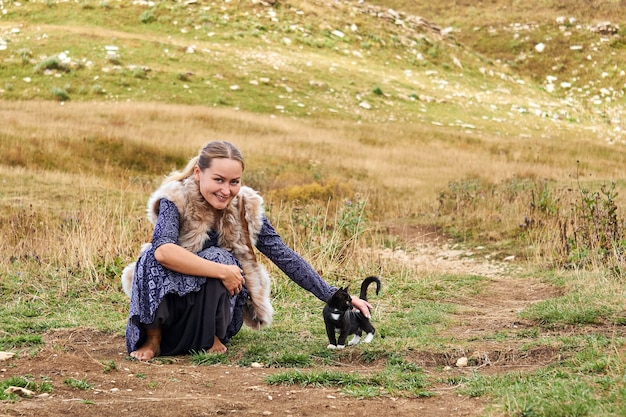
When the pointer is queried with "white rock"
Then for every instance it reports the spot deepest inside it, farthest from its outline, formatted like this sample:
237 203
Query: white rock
461 362
19 391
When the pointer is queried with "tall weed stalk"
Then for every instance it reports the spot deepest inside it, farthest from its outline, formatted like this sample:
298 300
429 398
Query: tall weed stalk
579 228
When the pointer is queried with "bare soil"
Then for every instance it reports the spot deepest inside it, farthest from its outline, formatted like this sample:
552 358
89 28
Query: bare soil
180 388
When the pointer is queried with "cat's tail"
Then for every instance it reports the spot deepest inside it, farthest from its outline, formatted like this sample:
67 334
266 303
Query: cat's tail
366 282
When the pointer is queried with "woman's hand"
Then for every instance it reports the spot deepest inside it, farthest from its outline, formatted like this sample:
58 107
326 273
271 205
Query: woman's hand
232 278
362 305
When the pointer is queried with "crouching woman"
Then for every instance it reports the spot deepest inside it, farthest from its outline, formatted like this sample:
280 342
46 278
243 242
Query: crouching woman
198 281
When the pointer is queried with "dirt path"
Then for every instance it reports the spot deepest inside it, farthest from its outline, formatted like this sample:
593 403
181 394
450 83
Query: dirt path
183 389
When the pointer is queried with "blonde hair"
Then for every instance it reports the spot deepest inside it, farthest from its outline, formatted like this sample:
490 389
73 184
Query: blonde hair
212 150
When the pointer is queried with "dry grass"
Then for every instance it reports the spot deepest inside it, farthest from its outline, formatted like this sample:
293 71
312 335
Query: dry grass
83 171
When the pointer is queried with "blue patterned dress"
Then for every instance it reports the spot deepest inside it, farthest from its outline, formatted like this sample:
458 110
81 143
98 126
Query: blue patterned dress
153 284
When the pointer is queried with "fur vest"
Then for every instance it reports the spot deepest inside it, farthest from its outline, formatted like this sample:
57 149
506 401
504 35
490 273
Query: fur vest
237 226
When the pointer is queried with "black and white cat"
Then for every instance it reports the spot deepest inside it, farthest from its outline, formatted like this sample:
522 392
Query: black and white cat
339 317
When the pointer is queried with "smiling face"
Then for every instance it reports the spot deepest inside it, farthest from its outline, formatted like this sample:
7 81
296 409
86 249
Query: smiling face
220 182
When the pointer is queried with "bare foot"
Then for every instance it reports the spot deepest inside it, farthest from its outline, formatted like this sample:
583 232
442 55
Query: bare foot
151 348
218 346
145 353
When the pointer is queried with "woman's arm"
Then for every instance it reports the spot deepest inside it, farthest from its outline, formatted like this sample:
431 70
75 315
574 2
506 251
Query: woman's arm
176 258
270 244
179 259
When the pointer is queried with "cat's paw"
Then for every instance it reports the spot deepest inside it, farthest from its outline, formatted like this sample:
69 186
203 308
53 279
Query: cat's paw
355 340
368 338
340 346
331 346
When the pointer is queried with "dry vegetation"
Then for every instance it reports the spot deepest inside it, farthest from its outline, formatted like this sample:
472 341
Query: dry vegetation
117 153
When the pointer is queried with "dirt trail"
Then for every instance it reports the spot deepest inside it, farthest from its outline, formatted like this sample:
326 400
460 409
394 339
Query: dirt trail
180 388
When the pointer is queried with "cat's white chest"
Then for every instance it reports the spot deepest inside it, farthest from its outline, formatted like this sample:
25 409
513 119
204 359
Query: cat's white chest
335 316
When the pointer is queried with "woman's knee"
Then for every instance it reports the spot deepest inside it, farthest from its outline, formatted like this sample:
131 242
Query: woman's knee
217 288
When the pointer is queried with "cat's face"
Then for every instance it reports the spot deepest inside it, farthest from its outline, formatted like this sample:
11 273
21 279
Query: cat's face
341 300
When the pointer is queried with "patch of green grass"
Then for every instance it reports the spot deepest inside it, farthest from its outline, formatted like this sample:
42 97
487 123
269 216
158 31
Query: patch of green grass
79 384
558 392
416 320
108 366
28 382
398 378
20 341
315 378
209 358
571 309
31 319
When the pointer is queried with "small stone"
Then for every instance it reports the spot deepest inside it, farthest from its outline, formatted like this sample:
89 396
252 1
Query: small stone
461 362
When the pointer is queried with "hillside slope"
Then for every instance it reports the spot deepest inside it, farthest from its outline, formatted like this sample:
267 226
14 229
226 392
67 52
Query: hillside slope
325 59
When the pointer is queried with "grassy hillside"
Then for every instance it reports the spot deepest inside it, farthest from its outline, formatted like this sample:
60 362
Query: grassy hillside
324 59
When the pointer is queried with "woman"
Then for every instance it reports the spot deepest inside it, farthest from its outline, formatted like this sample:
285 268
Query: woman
198 280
